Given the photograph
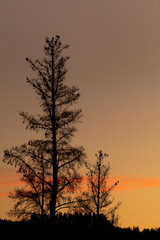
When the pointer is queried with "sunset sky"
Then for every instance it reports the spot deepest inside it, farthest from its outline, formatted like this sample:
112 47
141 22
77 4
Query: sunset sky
115 60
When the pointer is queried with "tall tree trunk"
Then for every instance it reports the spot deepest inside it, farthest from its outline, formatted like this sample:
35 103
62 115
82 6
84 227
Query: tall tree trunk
54 145
99 185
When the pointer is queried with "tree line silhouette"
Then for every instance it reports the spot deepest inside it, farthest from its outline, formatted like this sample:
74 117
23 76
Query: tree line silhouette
75 225
50 166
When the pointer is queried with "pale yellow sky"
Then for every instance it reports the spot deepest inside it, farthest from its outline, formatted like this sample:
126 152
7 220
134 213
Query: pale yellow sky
115 59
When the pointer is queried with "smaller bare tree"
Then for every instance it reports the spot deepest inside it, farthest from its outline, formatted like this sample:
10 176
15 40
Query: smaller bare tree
31 162
98 199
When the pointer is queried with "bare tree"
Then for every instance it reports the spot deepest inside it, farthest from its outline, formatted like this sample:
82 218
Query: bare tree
57 124
98 199
32 163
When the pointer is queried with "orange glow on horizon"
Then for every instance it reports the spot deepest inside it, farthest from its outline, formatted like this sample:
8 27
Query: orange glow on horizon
128 186
132 182
126 182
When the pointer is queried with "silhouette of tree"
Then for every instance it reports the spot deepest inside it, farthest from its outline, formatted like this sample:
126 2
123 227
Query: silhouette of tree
98 197
57 123
32 163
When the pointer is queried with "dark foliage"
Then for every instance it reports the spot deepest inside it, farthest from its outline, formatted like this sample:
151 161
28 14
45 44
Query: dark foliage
74 226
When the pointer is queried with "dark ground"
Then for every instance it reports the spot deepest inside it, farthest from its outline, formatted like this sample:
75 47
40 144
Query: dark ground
46 230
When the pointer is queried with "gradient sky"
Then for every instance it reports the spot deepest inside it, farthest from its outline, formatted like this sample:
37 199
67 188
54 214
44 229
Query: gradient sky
115 60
